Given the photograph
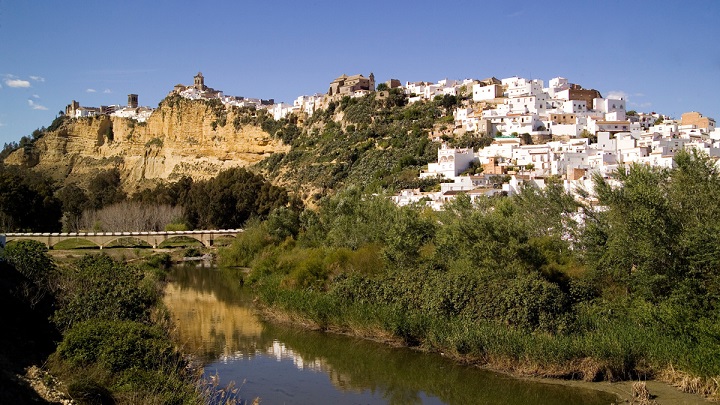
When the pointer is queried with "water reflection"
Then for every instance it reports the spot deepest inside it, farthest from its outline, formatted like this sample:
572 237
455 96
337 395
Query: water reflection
286 365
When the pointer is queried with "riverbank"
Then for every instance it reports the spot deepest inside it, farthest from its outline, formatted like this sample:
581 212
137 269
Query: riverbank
216 319
660 392
670 389
111 338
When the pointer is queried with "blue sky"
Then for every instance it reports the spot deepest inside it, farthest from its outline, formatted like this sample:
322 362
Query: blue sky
664 56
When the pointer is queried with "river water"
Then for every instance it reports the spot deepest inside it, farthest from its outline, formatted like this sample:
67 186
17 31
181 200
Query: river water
286 365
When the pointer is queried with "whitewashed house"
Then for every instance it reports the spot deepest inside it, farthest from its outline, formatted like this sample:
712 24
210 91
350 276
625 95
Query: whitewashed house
482 92
451 162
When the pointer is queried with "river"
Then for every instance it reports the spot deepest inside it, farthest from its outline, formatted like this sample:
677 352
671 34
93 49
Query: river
286 365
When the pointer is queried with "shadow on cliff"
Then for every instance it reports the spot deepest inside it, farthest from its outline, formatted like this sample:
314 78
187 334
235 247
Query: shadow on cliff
26 335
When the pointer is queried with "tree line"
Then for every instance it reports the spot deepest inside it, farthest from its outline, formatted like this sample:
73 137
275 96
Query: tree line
30 201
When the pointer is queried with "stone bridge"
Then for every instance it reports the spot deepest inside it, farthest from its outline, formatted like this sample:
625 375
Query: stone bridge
102 239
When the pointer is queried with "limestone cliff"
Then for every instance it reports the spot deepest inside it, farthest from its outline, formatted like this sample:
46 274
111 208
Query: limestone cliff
181 138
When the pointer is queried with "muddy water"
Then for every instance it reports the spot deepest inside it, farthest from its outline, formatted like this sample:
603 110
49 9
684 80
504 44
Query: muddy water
285 365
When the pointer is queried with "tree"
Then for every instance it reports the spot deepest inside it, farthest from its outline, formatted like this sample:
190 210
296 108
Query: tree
105 189
407 233
587 134
231 198
8 148
449 102
74 201
633 242
382 87
30 258
131 216
27 201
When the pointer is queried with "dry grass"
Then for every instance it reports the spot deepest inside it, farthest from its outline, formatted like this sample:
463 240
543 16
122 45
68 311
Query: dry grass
641 395
706 387
212 392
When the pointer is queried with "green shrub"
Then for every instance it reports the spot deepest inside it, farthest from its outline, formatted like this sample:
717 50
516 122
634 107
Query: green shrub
97 287
176 227
192 252
118 345
246 246
159 261
30 258
309 270
529 302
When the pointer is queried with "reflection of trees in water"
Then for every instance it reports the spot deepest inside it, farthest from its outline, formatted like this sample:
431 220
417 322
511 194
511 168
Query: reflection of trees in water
220 316
401 375
209 325
224 283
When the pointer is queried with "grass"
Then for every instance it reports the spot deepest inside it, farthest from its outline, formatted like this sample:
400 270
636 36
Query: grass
180 242
128 242
618 350
223 241
75 243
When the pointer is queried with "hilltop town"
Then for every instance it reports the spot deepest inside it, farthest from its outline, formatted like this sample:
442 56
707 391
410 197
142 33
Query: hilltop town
560 131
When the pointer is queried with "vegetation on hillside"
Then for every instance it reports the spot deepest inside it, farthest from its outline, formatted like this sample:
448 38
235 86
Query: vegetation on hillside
370 142
630 291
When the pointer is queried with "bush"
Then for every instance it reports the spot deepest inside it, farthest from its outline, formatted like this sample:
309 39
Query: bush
530 303
175 227
117 345
159 261
98 287
246 246
30 258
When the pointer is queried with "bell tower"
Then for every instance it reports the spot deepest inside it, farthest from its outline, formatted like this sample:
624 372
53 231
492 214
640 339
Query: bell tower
199 81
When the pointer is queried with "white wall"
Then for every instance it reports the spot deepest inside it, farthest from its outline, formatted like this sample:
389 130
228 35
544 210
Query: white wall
481 93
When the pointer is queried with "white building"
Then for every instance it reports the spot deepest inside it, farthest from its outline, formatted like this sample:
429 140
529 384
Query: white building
451 162
499 148
609 105
280 110
139 114
518 86
556 85
483 93
539 156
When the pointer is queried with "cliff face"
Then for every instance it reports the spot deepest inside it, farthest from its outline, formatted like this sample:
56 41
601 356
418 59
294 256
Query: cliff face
181 138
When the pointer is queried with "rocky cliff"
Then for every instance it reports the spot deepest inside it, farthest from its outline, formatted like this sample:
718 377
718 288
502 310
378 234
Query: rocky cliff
181 138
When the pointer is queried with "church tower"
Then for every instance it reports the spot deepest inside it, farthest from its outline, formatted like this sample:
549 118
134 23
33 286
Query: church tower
132 100
199 82
372 82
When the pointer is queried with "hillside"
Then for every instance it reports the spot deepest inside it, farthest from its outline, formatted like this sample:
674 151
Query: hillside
377 141
181 138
